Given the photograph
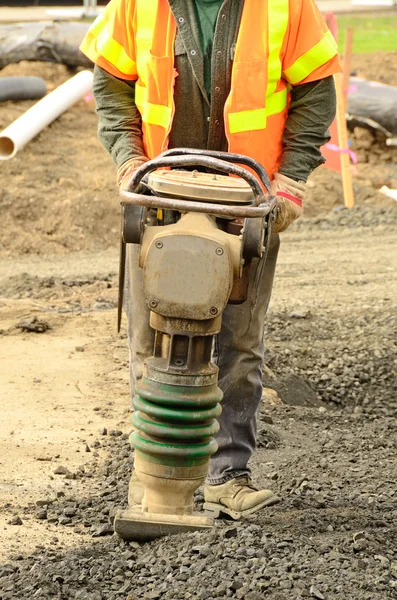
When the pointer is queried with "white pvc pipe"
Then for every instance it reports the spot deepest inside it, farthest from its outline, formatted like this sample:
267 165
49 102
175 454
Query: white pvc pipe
90 8
44 112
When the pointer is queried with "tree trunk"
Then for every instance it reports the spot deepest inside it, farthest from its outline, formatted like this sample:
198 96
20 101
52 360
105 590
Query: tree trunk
45 41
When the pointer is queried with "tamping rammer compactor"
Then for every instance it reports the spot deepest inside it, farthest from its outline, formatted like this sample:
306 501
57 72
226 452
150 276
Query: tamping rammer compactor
199 218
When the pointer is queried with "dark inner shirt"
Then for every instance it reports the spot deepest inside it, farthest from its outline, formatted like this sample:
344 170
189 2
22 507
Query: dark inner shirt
207 14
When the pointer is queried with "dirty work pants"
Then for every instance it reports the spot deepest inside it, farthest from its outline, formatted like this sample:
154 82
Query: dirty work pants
239 356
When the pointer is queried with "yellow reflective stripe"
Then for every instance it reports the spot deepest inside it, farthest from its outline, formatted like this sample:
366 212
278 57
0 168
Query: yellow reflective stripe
278 18
247 120
152 114
252 120
156 114
108 48
277 102
97 26
320 54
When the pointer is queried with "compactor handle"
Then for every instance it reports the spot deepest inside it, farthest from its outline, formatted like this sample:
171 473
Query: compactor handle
221 210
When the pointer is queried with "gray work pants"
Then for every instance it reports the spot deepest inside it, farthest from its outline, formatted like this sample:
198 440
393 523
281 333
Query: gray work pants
239 356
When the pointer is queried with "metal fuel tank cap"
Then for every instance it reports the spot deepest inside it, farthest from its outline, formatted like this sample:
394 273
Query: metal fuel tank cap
202 187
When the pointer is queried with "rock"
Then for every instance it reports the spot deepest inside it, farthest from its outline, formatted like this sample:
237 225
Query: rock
230 533
267 418
115 433
61 470
16 520
103 530
364 137
360 545
268 438
384 561
295 391
271 397
302 314
41 514
236 585
315 593
45 502
34 325
202 550
103 306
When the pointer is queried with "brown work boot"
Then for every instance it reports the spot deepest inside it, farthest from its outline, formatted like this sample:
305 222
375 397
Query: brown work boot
135 492
236 498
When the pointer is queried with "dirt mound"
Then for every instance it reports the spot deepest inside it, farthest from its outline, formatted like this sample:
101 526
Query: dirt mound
58 193
325 192
53 74
370 147
378 66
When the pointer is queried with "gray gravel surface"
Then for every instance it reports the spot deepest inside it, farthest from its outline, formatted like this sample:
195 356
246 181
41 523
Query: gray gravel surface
359 216
334 536
348 361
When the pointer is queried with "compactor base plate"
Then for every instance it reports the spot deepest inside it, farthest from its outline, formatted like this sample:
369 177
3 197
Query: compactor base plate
138 526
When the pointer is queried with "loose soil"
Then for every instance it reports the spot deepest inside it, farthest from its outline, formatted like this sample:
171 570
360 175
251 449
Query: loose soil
327 439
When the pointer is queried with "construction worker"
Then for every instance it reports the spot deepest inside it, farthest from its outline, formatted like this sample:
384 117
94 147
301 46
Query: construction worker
249 76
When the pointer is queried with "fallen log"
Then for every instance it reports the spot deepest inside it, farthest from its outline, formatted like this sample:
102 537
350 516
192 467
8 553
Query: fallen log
374 104
44 41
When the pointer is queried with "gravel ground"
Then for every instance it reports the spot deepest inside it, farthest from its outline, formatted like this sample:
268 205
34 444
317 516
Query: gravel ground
334 536
350 363
327 445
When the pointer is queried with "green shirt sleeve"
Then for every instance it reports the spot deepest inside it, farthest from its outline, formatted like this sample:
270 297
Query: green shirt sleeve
311 112
120 124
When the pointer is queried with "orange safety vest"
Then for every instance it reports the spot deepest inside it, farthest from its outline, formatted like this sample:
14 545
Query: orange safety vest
280 43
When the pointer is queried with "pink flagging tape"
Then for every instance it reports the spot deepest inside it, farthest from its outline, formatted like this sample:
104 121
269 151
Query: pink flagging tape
352 89
336 148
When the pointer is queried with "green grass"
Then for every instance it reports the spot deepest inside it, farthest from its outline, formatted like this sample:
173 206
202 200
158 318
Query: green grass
371 32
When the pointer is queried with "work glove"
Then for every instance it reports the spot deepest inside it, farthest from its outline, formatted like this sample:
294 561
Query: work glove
289 194
126 171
